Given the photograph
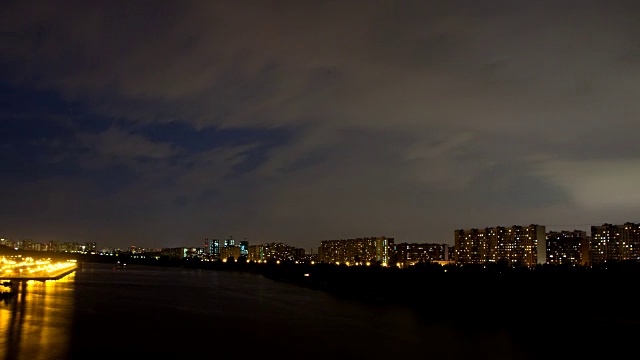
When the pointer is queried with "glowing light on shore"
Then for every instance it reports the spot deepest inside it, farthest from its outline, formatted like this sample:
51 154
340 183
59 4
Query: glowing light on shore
30 268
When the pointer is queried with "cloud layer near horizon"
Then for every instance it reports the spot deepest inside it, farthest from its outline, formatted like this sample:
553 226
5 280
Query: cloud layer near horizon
304 121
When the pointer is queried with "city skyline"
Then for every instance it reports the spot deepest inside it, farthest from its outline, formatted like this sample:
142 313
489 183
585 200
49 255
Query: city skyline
300 122
529 246
222 241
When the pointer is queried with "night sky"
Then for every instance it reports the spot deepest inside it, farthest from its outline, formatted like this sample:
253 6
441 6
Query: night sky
160 123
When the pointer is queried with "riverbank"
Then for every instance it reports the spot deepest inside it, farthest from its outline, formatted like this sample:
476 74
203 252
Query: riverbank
570 302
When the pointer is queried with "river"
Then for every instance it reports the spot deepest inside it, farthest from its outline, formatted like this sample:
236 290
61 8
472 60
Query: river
104 312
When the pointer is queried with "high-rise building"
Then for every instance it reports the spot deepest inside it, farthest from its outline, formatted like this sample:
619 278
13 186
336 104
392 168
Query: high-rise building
227 252
25 244
412 253
229 242
212 247
567 247
471 246
174 253
615 242
357 251
255 253
275 251
451 253
244 247
90 248
515 245
53 246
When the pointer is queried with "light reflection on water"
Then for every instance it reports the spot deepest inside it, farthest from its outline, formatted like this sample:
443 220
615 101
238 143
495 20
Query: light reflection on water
34 322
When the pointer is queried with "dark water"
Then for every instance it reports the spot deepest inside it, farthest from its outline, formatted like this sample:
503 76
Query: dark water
101 312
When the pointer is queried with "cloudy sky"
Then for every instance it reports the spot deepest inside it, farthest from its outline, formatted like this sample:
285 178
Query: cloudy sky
160 123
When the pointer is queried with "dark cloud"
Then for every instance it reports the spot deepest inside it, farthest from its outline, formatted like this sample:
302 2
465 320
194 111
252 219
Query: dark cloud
300 121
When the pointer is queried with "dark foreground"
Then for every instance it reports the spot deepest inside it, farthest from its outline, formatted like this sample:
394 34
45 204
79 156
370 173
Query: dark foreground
192 310
554 312
105 312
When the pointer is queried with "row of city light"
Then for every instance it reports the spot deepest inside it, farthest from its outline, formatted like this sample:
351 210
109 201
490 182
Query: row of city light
347 263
